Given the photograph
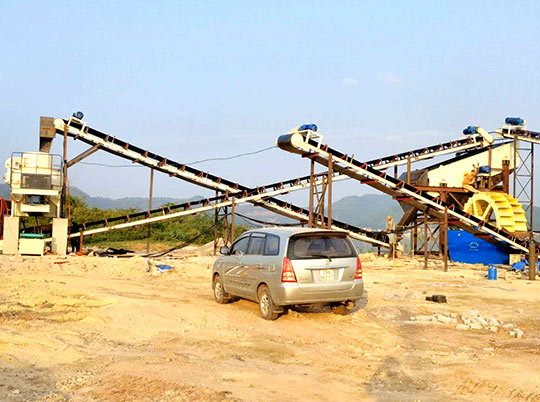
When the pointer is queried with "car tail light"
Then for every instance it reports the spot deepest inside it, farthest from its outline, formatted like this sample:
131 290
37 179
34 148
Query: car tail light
287 272
358 274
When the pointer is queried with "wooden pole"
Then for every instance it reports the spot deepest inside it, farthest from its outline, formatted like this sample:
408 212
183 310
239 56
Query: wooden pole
408 170
311 190
216 212
64 182
506 176
233 209
532 259
425 240
150 195
445 244
330 174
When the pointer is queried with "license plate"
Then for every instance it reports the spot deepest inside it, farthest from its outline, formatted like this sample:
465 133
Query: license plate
326 275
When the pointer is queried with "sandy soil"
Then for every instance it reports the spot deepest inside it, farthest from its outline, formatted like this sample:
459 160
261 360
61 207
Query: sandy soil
89 328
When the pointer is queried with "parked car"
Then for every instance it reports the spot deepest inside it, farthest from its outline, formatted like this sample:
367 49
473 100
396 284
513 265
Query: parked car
280 267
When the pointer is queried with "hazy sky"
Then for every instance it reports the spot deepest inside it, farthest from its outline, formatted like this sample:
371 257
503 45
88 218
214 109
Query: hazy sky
199 79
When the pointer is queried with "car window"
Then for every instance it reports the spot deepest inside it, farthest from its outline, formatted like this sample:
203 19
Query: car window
256 245
306 246
272 245
240 246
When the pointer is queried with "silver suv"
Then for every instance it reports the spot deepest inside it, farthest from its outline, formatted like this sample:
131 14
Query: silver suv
279 267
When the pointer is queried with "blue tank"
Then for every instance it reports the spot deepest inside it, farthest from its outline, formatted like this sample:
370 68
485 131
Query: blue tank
464 247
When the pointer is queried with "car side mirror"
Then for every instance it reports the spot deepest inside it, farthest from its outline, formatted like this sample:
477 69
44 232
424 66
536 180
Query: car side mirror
224 250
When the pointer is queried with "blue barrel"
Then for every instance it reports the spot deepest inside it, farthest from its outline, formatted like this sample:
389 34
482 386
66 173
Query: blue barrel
492 273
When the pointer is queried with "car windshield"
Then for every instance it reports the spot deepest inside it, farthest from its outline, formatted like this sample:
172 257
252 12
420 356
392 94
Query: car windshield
320 245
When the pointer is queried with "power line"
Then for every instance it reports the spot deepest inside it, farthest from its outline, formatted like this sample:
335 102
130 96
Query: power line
232 157
226 158
111 166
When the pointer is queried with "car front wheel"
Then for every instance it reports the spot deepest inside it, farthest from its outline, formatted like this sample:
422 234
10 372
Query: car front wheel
219 292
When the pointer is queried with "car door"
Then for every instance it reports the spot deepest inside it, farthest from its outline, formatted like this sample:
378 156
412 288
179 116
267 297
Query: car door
251 263
270 272
232 266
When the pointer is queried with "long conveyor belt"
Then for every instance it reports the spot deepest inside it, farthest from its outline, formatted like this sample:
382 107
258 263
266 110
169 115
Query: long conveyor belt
262 195
205 205
305 144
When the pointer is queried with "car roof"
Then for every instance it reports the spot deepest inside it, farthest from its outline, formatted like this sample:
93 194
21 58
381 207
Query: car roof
289 231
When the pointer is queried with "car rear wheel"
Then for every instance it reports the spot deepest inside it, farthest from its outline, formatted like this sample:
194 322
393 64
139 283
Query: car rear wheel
266 304
220 295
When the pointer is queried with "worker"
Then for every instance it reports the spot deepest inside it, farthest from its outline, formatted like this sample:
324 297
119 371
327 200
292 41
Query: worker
469 177
392 238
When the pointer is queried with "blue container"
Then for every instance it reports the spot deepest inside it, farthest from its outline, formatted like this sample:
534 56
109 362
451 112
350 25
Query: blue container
464 247
492 273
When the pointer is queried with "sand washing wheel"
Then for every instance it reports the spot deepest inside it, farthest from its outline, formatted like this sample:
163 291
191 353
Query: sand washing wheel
499 209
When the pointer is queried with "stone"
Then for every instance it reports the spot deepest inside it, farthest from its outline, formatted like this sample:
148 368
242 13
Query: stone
453 315
518 333
482 321
413 318
475 325
492 321
444 319
462 327
507 326
453 321
494 328
520 311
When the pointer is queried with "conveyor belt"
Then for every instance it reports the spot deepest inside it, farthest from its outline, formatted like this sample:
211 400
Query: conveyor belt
205 205
303 143
261 196
520 134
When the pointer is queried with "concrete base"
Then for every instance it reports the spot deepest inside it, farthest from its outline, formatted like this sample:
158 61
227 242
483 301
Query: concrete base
11 235
31 246
59 236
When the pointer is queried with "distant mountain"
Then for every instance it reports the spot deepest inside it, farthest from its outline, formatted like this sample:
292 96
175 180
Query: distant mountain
140 203
368 211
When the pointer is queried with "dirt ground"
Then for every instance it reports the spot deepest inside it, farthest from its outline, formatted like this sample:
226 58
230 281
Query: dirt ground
90 328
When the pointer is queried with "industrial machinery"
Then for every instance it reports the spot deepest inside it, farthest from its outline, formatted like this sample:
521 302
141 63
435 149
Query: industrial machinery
232 193
482 206
469 191
36 181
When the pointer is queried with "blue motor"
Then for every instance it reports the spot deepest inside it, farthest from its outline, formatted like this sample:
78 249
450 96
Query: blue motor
304 127
514 121
470 130
484 169
78 115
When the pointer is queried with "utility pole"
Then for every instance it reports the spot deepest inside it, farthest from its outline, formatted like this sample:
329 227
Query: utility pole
149 209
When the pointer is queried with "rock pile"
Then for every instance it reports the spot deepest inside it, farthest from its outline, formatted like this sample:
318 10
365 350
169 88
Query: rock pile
470 320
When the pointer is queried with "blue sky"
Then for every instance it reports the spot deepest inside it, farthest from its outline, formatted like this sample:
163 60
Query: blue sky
194 79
